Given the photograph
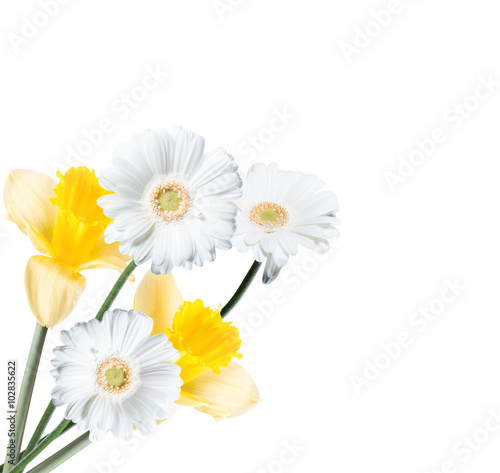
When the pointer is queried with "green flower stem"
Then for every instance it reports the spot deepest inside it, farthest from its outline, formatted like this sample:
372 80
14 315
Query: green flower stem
25 394
50 408
30 456
242 289
40 428
69 427
116 289
62 455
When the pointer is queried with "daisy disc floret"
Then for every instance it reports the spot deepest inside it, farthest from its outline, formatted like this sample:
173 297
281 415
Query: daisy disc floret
281 210
112 376
172 203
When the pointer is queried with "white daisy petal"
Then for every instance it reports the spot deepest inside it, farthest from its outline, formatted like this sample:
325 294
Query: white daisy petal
155 152
280 256
279 211
271 270
269 242
154 350
167 188
139 328
122 427
112 375
289 244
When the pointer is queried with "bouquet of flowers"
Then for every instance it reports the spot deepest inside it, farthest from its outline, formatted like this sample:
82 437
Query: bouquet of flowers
167 203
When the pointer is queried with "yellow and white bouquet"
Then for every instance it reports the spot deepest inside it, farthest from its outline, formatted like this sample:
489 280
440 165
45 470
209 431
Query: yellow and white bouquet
164 202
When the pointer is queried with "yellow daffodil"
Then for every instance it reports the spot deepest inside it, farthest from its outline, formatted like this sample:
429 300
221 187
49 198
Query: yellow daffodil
64 222
213 383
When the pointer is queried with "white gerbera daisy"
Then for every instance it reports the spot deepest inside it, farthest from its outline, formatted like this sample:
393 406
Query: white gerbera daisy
113 376
172 203
281 210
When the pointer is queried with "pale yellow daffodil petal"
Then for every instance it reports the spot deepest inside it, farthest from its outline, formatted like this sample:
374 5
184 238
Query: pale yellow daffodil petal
231 393
104 262
159 298
27 197
42 275
106 256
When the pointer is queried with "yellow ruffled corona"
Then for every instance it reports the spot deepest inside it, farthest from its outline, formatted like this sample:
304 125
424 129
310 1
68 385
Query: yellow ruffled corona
213 383
64 222
204 341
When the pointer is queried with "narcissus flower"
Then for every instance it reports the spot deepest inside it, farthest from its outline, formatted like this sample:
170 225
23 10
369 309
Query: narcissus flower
64 222
113 376
213 383
281 210
172 203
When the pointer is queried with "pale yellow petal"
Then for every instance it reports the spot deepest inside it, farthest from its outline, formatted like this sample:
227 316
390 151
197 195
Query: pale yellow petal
102 248
27 197
106 256
53 289
104 262
159 298
229 394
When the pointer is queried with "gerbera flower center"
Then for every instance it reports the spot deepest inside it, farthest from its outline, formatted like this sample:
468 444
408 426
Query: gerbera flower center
170 200
115 376
269 215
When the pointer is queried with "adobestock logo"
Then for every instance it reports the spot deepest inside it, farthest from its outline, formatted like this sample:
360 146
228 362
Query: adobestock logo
116 458
120 109
468 445
453 118
365 35
285 287
30 27
250 148
289 454
419 321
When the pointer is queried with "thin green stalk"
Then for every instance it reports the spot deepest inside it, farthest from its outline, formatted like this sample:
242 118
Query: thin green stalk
62 455
116 289
40 428
25 394
42 425
30 456
254 269
23 453
105 306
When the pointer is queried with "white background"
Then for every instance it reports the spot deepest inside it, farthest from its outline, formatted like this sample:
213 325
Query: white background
229 72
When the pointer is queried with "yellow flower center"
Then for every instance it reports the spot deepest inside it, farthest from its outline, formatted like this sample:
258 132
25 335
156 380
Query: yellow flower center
269 215
170 200
204 341
115 376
